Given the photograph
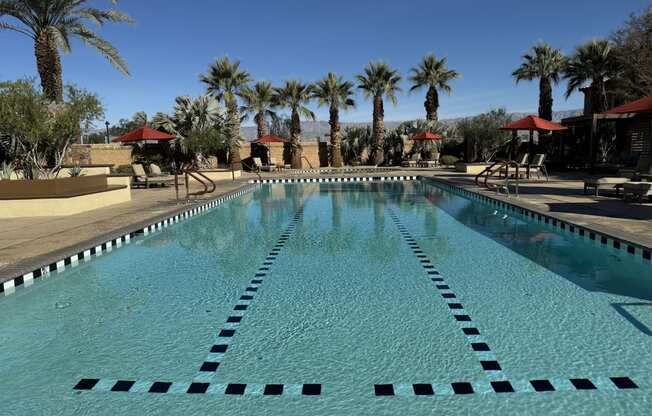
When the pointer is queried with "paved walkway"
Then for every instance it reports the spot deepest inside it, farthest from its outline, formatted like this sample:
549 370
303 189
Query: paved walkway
28 243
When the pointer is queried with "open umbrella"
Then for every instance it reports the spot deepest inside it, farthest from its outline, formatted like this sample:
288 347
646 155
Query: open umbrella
270 138
531 124
144 134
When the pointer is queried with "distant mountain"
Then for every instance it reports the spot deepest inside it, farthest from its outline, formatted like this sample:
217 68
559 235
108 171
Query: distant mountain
312 130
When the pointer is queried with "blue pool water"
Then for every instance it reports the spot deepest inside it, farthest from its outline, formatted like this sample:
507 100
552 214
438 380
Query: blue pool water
336 299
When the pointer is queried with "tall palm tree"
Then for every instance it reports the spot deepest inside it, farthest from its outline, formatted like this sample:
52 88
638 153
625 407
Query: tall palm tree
52 25
225 81
546 64
336 93
295 95
432 73
377 82
260 102
593 62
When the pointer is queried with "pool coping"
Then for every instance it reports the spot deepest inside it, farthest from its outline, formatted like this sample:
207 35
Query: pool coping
605 239
26 270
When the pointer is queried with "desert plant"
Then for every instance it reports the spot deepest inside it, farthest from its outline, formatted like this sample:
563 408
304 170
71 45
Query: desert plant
52 25
295 95
7 170
449 160
336 93
379 81
433 74
544 63
76 171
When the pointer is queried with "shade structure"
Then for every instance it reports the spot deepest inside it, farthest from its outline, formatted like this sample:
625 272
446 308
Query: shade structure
144 134
270 138
532 123
642 106
425 136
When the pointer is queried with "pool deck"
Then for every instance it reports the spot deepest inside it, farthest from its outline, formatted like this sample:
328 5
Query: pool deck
29 243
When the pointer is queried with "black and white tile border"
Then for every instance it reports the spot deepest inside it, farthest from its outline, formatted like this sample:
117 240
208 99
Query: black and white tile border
224 337
639 253
487 358
9 287
168 387
338 179
505 386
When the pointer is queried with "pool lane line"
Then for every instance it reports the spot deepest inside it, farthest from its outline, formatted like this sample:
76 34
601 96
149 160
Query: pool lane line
225 335
482 387
195 387
488 361
506 386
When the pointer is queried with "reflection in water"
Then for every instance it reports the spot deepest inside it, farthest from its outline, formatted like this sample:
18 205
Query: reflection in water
593 268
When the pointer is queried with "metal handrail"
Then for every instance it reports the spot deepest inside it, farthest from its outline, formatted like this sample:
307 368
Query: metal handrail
306 159
198 176
256 171
490 171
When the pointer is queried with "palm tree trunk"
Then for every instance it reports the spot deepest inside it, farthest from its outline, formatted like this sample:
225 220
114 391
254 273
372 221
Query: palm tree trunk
432 104
233 129
545 99
48 64
377 155
336 138
295 140
261 125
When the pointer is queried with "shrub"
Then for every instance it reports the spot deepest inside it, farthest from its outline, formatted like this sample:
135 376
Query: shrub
449 160
122 170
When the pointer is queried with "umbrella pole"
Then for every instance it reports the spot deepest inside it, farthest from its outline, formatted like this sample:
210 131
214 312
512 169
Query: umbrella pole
529 153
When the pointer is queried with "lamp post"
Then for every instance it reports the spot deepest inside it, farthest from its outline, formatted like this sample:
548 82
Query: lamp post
107 131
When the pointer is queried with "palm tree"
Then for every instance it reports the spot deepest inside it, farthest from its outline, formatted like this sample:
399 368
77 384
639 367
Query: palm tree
295 95
336 93
545 63
432 73
377 82
593 62
260 102
225 81
52 25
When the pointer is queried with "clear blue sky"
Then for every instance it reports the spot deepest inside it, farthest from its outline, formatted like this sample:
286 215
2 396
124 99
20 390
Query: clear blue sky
174 41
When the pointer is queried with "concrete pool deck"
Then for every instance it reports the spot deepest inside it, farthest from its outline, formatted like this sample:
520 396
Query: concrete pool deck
29 243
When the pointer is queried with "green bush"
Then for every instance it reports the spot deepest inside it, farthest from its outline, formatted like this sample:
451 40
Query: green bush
449 160
122 170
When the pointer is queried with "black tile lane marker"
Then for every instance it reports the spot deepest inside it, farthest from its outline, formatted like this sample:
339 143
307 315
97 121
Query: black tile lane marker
488 361
496 381
224 336
194 387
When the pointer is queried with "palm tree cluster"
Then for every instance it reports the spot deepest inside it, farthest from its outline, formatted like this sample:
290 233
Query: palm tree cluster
228 83
593 63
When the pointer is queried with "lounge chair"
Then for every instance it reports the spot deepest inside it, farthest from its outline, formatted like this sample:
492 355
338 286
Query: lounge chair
537 167
522 164
604 183
637 190
141 178
412 162
647 176
260 167
430 163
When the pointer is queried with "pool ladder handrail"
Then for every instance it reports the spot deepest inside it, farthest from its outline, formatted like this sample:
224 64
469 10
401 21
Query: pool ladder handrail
498 167
204 180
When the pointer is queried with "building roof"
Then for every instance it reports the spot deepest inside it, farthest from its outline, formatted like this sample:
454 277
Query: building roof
642 106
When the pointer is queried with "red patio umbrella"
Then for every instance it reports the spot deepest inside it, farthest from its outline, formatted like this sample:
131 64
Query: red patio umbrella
644 105
270 138
144 134
531 124
427 136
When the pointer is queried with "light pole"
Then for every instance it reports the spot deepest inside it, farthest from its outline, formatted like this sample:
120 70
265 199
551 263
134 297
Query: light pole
107 131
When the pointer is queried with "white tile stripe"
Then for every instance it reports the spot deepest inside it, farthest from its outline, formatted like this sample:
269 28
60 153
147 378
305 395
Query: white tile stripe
9 287
334 179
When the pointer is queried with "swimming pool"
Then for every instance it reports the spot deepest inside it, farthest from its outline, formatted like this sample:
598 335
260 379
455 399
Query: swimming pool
337 298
